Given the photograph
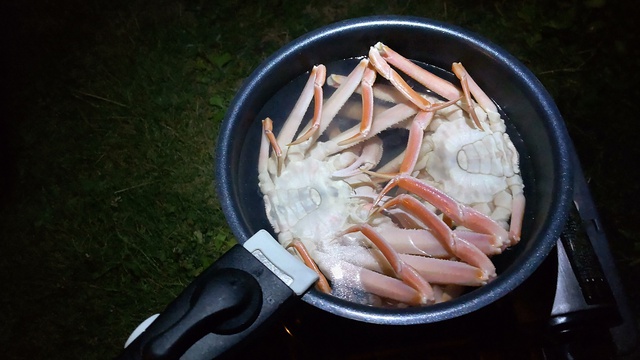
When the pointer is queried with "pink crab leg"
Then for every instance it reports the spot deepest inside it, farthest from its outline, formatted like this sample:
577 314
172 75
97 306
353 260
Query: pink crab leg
390 93
263 155
414 143
419 124
383 121
380 54
464 80
480 96
460 214
341 95
479 240
380 284
390 288
416 240
319 79
382 92
437 84
416 132
267 130
300 108
458 247
517 213
439 271
322 283
405 272
366 86
396 80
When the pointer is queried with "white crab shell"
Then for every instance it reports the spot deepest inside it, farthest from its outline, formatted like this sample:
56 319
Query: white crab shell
471 165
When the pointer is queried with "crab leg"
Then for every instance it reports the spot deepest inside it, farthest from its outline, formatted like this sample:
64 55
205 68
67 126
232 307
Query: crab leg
414 143
382 92
366 86
381 55
450 240
466 80
479 240
403 271
319 74
419 124
396 80
390 288
437 84
460 214
439 271
517 210
382 285
483 100
383 121
419 241
414 242
311 90
412 152
322 283
338 99
268 138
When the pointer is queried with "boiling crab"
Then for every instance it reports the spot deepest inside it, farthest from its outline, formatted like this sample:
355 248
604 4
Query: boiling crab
460 198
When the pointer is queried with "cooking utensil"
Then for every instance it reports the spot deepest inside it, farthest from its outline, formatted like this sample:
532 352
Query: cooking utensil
534 125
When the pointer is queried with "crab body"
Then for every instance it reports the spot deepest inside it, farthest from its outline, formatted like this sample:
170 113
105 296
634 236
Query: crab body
307 202
474 166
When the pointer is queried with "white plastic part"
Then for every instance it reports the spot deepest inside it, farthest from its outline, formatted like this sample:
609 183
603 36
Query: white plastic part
284 265
140 329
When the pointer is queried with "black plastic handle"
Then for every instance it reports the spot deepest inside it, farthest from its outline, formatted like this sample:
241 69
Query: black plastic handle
228 303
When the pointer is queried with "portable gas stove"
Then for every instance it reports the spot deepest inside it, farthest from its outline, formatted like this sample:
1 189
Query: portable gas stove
572 307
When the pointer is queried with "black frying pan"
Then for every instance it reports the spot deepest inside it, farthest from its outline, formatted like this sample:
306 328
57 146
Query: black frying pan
534 124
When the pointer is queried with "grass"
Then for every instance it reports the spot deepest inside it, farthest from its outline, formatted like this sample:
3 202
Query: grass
108 139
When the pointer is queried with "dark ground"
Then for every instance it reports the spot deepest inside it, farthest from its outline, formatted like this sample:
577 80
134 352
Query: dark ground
109 117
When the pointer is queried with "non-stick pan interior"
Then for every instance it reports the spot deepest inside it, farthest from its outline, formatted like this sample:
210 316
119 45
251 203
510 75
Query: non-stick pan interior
534 124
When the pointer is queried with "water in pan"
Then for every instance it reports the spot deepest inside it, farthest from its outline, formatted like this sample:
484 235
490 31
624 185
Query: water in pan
394 141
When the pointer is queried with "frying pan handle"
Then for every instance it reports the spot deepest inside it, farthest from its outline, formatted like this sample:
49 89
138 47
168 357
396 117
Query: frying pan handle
226 304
